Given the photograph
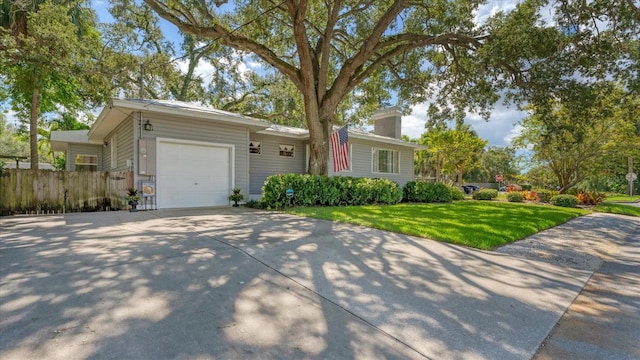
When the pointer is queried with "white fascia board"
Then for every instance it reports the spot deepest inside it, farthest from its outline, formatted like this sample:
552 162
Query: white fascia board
217 115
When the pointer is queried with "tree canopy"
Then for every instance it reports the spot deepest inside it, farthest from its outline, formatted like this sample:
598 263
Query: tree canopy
48 50
573 140
370 51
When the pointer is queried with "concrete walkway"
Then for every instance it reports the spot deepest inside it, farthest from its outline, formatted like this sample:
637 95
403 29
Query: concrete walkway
236 283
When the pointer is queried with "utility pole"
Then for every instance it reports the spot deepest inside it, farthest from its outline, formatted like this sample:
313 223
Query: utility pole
141 81
630 175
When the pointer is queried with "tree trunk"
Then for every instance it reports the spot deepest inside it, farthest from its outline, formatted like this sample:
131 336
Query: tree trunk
319 132
33 123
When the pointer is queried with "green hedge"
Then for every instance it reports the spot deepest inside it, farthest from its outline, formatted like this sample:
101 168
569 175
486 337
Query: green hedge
515 196
456 193
427 192
485 194
312 190
546 195
565 201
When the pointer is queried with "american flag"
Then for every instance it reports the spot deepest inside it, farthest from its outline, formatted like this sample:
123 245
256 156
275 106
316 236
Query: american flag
340 149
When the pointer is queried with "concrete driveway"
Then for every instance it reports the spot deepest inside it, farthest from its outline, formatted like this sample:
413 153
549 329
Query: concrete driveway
237 283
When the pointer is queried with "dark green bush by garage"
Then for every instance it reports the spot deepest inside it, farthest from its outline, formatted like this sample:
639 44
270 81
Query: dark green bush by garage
485 194
313 190
427 192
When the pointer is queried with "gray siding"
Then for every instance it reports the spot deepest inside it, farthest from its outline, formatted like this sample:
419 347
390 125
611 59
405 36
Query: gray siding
270 162
198 130
361 161
124 146
82 149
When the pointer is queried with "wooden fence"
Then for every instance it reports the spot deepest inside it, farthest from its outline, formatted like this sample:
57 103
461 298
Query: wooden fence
49 192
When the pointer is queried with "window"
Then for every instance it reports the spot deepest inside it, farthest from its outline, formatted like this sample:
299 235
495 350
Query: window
86 162
385 161
286 150
114 151
255 147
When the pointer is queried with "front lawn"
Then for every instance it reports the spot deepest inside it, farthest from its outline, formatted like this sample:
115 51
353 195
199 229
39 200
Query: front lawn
619 209
622 198
478 224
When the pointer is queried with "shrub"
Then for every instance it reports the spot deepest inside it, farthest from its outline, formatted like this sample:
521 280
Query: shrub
456 193
529 195
590 198
527 187
515 196
427 192
254 204
513 187
485 194
312 190
564 200
546 195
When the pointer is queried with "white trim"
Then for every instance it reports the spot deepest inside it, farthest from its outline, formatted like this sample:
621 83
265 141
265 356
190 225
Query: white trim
232 157
374 151
114 151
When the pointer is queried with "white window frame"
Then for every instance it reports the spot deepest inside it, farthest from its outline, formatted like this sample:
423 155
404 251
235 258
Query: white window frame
259 147
293 150
375 166
114 151
76 163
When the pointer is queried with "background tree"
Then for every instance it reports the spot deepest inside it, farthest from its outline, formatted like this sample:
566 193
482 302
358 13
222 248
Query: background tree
11 144
454 151
572 138
45 46
493 161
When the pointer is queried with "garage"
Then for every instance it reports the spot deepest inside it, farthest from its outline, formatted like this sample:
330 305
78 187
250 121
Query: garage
193 174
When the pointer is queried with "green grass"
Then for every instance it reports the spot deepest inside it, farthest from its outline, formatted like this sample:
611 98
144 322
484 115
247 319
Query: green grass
622 198
618 209
478 224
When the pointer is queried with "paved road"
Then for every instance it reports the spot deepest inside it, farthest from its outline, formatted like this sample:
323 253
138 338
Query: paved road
236 283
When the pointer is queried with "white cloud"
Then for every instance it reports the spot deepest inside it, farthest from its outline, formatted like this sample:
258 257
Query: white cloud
500 130
11 118
203 70
413 124
485 11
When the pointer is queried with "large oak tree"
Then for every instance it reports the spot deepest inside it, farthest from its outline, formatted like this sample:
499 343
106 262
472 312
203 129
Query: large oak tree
330 50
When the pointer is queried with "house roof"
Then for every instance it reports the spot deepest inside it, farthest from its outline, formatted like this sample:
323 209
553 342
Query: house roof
60 139
119 109
303 134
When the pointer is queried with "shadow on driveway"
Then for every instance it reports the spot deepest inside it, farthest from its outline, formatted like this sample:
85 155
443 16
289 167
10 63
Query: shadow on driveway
237 283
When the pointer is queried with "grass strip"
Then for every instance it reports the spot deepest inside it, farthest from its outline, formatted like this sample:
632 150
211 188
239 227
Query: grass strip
478 224
619 209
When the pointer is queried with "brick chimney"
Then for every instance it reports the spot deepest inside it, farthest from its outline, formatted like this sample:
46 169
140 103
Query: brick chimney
388 122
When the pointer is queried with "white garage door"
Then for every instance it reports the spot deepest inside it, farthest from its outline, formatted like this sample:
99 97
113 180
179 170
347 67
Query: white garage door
192 175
